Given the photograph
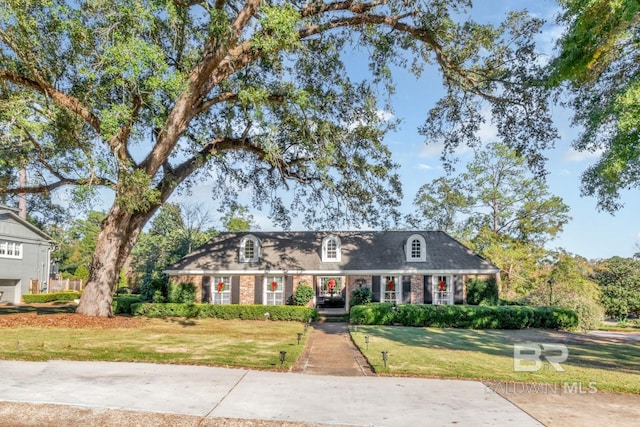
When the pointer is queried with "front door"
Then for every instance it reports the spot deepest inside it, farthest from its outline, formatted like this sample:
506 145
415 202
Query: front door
329 292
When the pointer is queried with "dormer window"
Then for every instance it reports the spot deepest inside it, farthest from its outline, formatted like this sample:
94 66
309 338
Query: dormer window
416 249
331 251
249 249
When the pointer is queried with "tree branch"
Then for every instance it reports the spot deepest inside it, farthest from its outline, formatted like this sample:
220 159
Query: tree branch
47 188
62 99
118 143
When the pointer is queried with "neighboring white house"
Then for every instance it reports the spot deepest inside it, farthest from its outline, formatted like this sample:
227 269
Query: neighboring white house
25 254
403 267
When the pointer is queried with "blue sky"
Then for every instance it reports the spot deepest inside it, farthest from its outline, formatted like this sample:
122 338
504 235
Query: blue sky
590 233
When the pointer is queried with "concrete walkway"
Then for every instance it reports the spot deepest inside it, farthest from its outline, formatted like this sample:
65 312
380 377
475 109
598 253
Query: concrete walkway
330 351
220 394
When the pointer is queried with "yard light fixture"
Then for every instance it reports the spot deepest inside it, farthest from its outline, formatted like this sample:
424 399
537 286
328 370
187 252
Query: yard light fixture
283 354
385 355
299 337
306 326
366 341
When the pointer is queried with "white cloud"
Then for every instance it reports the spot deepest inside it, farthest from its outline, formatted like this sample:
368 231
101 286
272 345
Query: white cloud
431 150
572 155
385 116
425 166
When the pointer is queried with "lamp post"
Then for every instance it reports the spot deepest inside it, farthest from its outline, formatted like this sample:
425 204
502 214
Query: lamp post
299 337
283 354
366 341
385 355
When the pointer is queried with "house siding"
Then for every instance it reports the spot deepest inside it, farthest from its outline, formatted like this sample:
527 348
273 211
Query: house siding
16 274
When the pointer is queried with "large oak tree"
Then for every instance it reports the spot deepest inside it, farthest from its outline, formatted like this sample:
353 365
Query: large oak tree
144 97
599 65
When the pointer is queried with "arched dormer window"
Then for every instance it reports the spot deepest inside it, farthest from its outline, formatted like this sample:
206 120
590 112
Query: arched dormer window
249 249
331 251
416 249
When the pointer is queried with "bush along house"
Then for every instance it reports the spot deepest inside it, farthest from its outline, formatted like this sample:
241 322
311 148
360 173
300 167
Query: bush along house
403 267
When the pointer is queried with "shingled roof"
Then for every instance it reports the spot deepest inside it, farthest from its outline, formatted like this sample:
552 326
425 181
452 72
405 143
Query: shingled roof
363 252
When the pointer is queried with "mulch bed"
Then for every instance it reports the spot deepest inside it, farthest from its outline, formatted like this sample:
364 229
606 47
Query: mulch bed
65 320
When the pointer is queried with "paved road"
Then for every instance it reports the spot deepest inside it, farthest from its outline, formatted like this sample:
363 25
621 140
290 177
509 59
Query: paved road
617 335
238 393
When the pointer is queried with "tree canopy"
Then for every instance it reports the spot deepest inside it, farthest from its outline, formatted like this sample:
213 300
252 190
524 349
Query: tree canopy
619 280
599 65
143 97
499 208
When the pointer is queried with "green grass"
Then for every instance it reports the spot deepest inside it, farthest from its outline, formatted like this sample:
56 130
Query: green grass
235 343
488 355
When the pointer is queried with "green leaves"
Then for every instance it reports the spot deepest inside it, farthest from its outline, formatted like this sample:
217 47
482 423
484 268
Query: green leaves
619 280
599 63
136 193
498 208
279 30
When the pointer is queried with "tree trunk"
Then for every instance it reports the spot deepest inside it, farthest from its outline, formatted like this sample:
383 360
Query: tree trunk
119 232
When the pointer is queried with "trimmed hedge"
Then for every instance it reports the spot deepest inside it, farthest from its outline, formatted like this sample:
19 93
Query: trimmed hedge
54 296
122 304
465 316
225 311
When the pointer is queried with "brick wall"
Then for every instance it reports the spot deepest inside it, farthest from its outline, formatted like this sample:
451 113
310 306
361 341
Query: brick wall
247 289
417 289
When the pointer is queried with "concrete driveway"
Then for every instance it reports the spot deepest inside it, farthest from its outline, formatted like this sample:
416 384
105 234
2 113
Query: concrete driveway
211 393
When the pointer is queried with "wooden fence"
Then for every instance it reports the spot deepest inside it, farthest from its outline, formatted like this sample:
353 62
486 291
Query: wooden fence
65 285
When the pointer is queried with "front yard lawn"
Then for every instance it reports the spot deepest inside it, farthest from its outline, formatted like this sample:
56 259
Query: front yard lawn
604 363
234 343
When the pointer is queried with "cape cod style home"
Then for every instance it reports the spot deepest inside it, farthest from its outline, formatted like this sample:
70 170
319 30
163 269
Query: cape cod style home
24 256
404 267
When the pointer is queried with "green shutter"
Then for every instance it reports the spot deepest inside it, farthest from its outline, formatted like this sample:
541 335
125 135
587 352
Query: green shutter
258 299
206 289
235 289
288 289
428 290
375 289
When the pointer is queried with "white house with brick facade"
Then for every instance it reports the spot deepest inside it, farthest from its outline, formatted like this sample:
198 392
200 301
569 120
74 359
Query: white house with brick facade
404 267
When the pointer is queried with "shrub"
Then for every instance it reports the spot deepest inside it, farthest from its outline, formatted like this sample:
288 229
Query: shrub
81 273
460 316
122 304
590 313
225 311
360 296
303 294
181 293
154 287
54 296
482 292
